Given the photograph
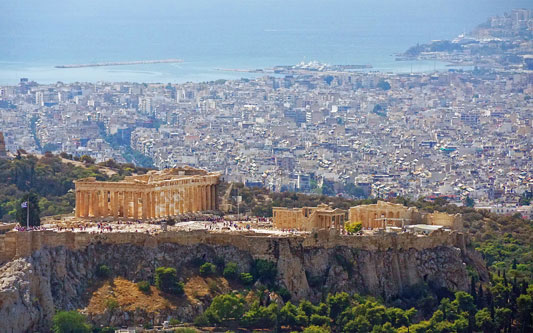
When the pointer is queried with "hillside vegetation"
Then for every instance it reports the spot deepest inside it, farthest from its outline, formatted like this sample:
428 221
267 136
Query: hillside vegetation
50 177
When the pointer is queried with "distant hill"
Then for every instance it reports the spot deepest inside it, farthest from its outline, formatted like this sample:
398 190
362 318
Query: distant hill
51 178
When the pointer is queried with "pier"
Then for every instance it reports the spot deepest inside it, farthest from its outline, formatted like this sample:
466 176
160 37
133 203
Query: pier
122 63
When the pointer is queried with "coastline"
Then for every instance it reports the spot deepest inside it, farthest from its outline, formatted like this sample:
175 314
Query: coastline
11 73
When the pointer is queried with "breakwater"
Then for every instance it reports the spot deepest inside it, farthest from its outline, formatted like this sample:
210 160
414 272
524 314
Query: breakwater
121 63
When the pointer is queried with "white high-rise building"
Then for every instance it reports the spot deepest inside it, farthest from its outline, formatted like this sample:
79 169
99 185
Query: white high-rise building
39 98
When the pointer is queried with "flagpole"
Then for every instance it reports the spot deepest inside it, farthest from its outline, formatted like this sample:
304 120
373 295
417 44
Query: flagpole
28 214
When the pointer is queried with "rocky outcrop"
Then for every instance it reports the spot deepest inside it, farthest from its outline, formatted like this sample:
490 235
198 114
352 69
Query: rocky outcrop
59 277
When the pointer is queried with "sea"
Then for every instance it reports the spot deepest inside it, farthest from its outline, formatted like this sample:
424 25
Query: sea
208 35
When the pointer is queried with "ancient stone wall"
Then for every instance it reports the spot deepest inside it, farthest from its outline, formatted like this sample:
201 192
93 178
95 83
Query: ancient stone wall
454 222
308 218
22 244
382 214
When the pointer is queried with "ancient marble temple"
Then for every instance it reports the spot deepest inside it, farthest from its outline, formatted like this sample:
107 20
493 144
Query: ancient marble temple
156 194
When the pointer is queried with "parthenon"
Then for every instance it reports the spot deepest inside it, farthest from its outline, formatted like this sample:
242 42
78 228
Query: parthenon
156 194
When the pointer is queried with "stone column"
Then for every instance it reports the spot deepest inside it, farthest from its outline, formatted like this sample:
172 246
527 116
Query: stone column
194 198
186 198
136 205
205 193
148 206
114 204
103 203
213 197
94 203
122 203
182 200
200 197
152 204
191 198
144 205
85 200
175 200
168 202
155 199
171 203
162 203
90 210
208 196
127 204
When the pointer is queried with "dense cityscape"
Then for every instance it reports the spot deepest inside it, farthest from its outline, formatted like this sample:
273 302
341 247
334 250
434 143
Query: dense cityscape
311 128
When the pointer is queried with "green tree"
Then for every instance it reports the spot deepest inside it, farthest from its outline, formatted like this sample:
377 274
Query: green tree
292 316
260 316
231 271
166 280
225 308
87 159
484 321
359 324
445 306
464 302
502 318
70 322
353 227
246 278
316 329
385 328
264 270
524 305
207 269
318 320
32 200
337 304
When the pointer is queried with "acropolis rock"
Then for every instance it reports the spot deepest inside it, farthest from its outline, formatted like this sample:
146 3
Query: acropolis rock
46 270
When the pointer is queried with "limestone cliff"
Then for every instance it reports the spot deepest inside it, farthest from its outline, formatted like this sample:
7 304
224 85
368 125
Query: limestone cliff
58 277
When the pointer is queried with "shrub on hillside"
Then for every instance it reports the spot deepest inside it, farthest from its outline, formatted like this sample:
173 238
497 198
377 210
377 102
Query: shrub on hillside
246 278
108 329
174 322
111 304
207 269
69 321
264 270
231 271
103 272
144 286
260 316
166 280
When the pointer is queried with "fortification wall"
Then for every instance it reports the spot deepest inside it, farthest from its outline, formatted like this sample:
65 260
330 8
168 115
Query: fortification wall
22 244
